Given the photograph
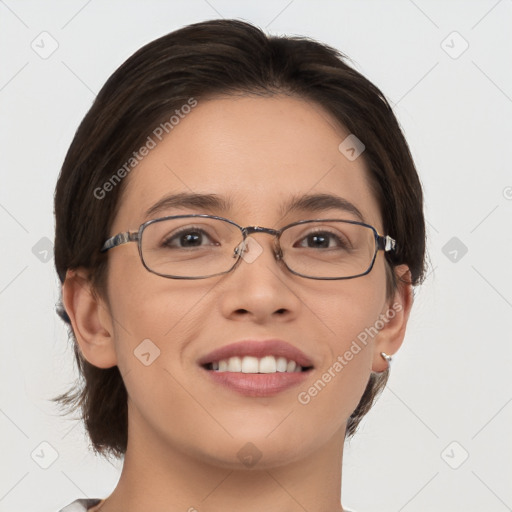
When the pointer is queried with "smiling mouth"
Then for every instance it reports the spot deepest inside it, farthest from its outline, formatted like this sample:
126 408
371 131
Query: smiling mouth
256 365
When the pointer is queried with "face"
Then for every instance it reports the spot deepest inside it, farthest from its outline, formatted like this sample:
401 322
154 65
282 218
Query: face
258 153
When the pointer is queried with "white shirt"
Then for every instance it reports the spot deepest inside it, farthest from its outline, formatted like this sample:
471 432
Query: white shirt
81 505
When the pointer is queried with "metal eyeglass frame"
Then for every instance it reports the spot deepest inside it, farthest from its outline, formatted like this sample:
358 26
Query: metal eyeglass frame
384 243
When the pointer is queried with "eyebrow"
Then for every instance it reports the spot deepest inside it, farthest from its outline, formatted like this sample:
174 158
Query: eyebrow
189 200
309 203
317 203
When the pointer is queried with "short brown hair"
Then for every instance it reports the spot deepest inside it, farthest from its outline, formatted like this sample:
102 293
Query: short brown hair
218 57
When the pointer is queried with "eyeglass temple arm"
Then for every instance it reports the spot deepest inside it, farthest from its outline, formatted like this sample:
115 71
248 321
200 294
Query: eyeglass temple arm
386 243
119 239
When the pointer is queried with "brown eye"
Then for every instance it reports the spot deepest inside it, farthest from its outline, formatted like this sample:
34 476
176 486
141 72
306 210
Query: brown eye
187 238
322 240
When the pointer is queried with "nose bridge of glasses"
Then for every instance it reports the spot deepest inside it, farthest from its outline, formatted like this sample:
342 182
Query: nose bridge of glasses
258 229
249 230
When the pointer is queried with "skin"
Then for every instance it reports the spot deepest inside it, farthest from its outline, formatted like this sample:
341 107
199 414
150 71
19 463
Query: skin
184 431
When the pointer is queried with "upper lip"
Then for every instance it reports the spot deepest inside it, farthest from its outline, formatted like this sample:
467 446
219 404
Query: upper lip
259 349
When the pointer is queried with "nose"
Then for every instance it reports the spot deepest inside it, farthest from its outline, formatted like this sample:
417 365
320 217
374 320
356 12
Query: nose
260 288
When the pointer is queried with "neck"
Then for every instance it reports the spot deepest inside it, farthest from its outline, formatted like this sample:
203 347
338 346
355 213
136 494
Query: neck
159 476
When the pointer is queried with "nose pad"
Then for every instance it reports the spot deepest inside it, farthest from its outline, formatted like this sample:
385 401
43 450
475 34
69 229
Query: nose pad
249 250
277 250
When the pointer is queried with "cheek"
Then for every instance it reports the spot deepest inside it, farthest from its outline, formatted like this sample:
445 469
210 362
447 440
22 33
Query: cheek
347 315
346 309
151 312
155 319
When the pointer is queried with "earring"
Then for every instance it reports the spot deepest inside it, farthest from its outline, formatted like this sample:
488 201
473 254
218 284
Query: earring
387 358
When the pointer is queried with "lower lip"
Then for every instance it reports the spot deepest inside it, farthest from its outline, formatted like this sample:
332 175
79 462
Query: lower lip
258 384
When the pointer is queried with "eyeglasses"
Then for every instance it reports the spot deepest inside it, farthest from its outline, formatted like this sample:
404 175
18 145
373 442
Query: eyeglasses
200 246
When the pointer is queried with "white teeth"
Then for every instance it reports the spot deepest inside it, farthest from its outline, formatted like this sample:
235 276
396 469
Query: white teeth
234 364
281 364
290 367
268 364
250 364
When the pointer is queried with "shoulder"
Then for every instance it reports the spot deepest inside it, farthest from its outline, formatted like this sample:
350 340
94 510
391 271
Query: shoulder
81 505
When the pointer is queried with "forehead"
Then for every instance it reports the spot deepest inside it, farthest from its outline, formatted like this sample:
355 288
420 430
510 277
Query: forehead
257 153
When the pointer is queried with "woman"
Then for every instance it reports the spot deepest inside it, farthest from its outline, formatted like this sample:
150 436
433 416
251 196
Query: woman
239 226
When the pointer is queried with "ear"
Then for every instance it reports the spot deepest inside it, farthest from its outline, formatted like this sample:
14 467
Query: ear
394 316
90 318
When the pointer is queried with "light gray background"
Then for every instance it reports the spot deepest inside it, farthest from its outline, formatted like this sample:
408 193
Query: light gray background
450 383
